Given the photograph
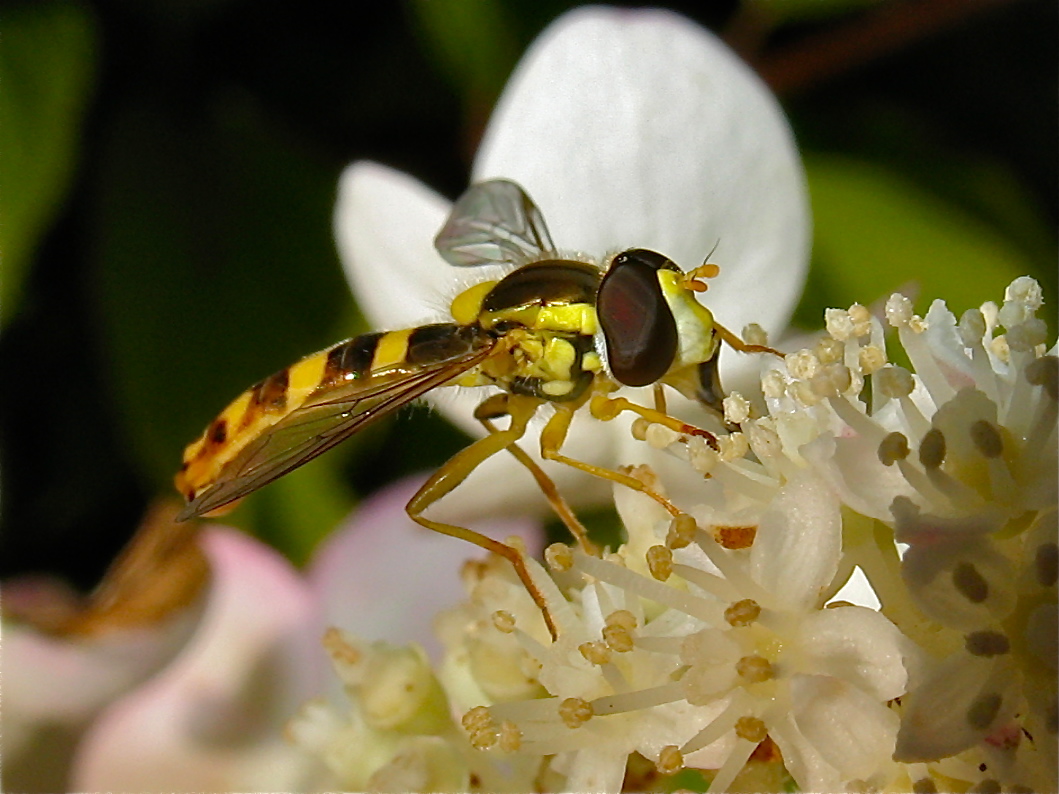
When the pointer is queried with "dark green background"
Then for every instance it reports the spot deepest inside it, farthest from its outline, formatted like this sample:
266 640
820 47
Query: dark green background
168 169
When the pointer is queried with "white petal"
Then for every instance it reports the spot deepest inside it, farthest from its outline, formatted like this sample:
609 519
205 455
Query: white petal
212 720
384 577
860 646
852 730
802 758
642 129
796 551
385 223
953 708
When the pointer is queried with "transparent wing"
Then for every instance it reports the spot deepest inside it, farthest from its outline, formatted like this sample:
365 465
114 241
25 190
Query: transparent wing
493 223
320 423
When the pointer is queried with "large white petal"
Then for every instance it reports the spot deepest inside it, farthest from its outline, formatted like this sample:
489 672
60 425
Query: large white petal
385 222
642 129
213 719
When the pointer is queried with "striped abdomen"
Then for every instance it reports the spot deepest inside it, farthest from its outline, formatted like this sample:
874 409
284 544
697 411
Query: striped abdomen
351 372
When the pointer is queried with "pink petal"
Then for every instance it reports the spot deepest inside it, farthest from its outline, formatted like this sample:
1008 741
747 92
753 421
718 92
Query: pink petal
384 577
212 721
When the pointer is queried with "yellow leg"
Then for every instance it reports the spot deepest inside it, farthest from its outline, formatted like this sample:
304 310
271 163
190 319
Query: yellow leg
736 343
552 438
496 407
457 469
605 407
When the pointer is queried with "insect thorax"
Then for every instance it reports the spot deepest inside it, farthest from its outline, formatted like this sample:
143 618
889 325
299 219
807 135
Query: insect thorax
545 314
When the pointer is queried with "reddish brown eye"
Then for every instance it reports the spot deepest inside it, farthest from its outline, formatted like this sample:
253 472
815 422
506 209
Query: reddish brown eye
638 326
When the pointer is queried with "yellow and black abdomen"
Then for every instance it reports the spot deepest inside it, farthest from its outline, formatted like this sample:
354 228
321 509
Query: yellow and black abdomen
291 416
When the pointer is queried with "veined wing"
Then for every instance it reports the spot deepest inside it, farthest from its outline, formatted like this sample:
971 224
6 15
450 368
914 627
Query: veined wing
494 223
325 419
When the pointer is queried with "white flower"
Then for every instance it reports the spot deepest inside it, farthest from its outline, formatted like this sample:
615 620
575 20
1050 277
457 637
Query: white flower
696 671
958 456
628 128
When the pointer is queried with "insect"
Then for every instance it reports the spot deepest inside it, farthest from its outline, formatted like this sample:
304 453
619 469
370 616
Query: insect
554 330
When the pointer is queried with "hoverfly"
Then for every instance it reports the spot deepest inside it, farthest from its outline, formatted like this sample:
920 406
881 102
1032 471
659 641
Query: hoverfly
553 330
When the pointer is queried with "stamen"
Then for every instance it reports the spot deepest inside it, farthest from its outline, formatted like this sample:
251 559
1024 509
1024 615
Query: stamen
982 712
894 381
893 448
510 737
871 359
670 760
575 712
504 621
752 729
987 439
742 613
596 652
681 531
1046 564
625 579
660 562
559 557
636 701
932 449
754 669
722 723
1044 372
704 580
970 583
830 351
986 643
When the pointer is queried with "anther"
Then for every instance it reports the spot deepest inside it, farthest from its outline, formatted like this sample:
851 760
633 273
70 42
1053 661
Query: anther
510 737
829 350
970 583
754 334
504 621
894 381
932 449
986 643
596 652
618 638
752 729
735 538
972 327
1044 371
1046 564
871 359
660 562
575 712
987 786
559 557
742 613
987 439
754 669
982 712
622 618
925 785
893 448
682 531
736 408
670 760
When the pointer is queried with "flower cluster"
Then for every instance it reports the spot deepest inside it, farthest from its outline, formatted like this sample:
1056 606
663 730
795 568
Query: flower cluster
719 642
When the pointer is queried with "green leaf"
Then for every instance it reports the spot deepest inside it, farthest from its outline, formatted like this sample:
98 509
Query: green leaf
215 266
877 232
802 10
47 70
471 41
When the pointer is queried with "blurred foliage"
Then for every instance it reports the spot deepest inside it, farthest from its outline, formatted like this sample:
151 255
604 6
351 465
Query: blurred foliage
47 65
168 173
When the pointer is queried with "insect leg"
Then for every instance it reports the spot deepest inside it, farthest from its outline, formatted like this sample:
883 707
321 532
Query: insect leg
736 343
456 470
494 408
606 408
554 434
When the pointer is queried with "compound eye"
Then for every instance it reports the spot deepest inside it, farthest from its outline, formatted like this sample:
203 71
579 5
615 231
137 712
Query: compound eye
638 326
